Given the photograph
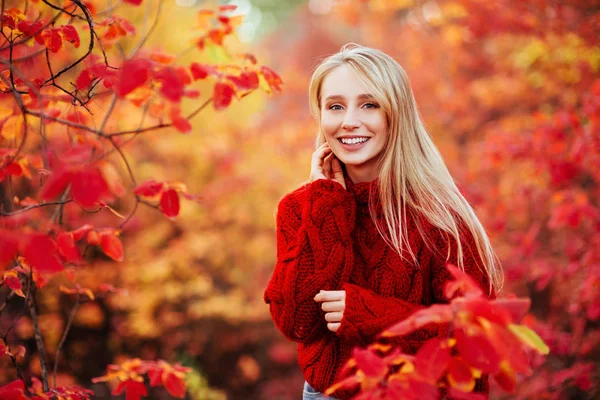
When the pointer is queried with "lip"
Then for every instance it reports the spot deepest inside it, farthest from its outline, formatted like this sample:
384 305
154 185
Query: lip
352 147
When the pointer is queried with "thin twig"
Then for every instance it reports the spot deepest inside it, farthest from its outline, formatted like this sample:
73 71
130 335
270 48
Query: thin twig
65 334
38 339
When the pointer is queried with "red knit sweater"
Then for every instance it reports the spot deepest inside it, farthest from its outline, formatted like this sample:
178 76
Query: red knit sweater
326 240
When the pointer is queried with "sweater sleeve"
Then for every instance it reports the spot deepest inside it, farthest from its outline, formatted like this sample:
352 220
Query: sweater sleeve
314 252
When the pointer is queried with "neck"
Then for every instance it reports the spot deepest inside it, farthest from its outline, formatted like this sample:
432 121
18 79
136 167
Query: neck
358 174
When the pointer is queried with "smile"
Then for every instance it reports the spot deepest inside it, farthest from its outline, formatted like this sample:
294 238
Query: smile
354 140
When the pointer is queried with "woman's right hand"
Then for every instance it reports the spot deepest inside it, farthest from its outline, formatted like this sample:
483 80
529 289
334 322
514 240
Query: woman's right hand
325 165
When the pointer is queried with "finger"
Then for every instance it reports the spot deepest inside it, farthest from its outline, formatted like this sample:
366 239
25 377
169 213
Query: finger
335 316
327 165
336 168
333 306
318 156
333 326
330 295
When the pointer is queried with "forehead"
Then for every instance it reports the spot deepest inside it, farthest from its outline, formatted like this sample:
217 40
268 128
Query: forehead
343 81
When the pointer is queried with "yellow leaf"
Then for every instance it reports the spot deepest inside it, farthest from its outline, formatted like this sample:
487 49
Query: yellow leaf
12 127
5 112
529 337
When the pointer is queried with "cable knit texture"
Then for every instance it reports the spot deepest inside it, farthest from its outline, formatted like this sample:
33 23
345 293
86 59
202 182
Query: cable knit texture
326 240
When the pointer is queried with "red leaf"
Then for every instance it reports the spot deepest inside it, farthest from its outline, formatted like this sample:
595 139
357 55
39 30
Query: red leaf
30 28
51 39
432 359
172 86
463 284
510 348
460 376
84 79
14 169
437 313
272 78
8 247
169 203
41 252
134 73
507 379
56 185
180 123
88 187
112 246
175 385
516 308
67 248
222 95
200 71
149 188
478 351
133 390
459 395
13 391
371 364
11 279
562 172
246 81
155 375
70 34
82 231
227 7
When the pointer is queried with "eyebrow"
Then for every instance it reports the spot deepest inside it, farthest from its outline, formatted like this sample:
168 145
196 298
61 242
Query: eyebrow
340 97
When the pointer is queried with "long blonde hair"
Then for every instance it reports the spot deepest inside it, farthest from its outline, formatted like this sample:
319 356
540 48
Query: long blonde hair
412 173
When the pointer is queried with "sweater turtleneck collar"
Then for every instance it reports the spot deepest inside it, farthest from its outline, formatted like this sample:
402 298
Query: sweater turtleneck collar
361 190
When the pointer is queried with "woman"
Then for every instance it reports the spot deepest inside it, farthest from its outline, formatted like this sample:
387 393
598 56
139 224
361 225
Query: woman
364 243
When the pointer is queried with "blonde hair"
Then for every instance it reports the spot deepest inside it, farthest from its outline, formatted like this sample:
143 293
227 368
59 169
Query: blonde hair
412 173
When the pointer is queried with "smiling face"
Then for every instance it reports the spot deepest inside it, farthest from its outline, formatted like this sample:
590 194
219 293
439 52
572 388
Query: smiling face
354 124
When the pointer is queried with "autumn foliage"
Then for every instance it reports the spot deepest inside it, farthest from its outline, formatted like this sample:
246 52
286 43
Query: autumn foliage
66 68
484 337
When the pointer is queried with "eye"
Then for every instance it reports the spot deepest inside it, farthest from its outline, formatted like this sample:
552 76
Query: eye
371 105
333 107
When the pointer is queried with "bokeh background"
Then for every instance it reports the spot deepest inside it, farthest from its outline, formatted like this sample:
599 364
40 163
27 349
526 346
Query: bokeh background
508 90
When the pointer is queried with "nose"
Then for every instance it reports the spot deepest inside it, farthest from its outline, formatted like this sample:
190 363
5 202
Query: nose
350 121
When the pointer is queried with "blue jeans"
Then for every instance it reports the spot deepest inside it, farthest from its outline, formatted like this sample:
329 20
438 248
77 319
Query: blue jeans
309 393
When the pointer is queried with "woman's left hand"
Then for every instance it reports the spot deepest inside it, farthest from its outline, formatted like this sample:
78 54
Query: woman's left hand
334 303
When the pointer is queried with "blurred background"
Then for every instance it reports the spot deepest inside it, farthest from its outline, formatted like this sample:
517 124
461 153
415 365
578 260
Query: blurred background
509 91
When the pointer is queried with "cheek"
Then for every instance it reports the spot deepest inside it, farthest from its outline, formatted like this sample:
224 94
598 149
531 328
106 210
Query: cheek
329 124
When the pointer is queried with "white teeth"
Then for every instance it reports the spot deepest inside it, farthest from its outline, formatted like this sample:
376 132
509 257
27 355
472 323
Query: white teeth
354 141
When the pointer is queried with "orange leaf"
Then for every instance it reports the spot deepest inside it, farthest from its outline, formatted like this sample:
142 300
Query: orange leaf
204 18
162 58
93 238
112 246
11 279
272 79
